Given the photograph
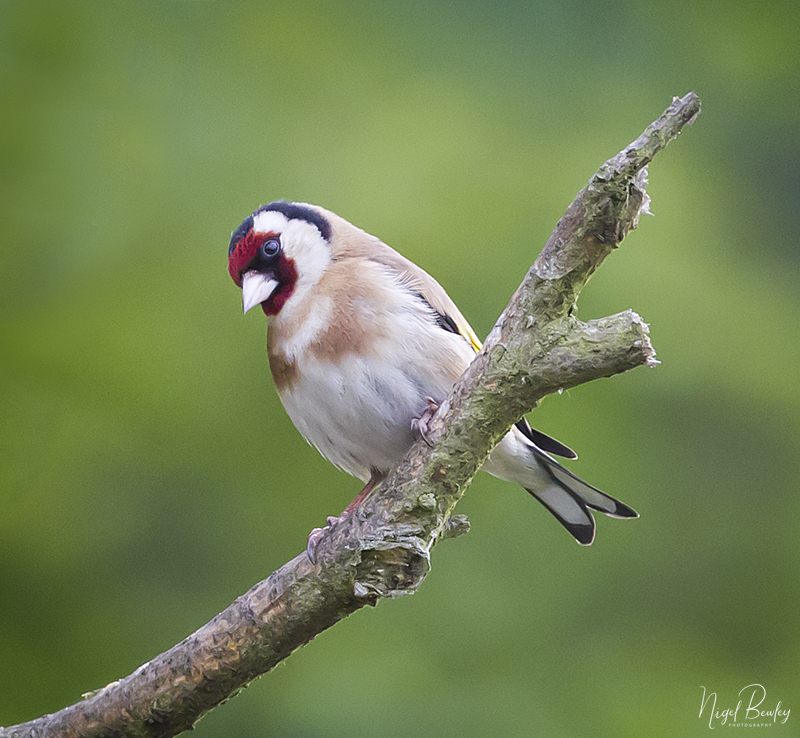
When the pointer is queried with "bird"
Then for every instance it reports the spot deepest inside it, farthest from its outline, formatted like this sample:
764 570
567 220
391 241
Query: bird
363 345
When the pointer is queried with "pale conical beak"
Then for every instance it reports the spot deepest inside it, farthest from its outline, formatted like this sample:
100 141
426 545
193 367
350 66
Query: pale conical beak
256 288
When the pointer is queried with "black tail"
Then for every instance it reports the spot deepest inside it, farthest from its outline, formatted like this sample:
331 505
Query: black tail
571 500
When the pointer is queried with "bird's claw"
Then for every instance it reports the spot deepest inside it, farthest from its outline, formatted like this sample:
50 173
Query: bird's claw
313 541
421 424
317 534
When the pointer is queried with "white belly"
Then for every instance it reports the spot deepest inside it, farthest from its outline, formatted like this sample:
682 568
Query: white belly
357 412
358 417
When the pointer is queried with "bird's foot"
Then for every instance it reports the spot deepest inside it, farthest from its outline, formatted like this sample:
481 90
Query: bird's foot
313 541
422 423
316 535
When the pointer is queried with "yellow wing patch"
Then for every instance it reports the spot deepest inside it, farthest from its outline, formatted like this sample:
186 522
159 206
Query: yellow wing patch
465 330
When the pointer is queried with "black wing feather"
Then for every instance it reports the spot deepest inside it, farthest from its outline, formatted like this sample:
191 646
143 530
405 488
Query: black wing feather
443 320
544 442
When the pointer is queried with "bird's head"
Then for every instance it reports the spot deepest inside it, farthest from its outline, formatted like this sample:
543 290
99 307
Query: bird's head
278 253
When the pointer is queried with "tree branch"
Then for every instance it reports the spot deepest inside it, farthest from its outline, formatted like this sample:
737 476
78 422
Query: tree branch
383 550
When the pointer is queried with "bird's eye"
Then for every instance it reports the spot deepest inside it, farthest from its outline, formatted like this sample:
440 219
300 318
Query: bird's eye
270 248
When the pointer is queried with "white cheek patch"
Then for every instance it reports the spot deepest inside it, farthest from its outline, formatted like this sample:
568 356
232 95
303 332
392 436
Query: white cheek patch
311 253
269 221
303 244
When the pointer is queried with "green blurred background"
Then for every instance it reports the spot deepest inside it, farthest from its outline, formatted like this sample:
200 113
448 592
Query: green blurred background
148 474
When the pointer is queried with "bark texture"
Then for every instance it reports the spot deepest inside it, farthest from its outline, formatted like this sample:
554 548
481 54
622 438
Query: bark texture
536 347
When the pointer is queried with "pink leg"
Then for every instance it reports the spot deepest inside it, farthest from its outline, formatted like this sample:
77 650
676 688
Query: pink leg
376 477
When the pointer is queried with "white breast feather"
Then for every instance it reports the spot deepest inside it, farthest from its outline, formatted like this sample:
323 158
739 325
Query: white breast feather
357 410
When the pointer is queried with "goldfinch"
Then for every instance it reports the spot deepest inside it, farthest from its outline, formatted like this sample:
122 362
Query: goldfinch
361 342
